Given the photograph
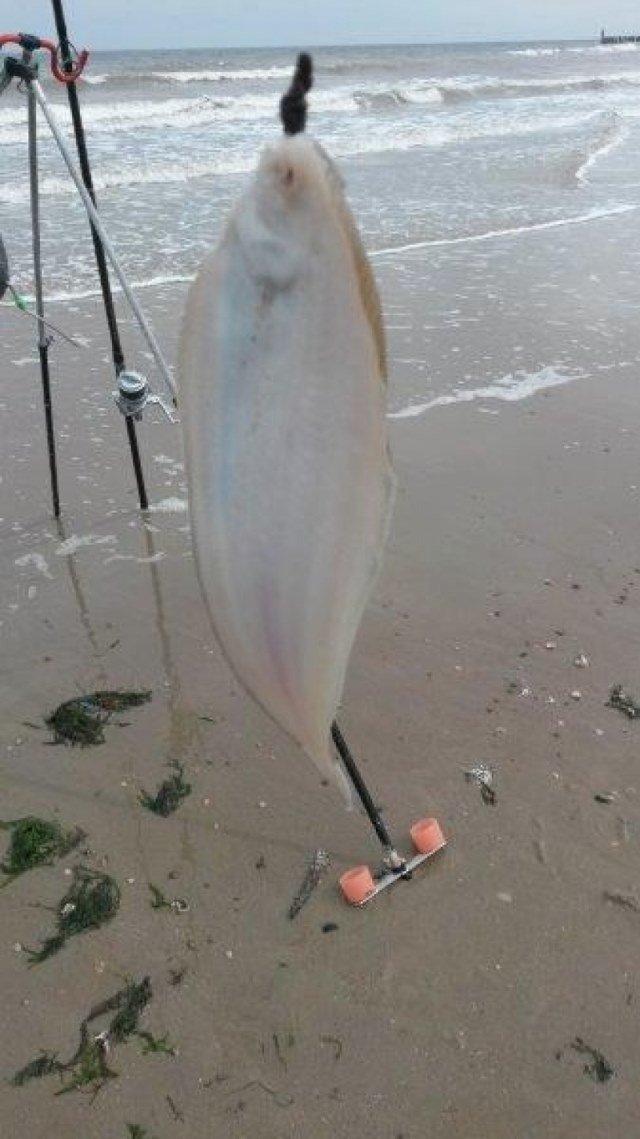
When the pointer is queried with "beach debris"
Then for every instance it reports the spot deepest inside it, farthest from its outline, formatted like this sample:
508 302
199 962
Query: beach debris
151 1043
175 1111
621 700
628 901
576 695
80 722
43 1065
137 1132
599 1068
607 797
88 1067
336 1043
484 777
317 867
581 661
169 795
92 900
158 900
35 842
282 1099
330 927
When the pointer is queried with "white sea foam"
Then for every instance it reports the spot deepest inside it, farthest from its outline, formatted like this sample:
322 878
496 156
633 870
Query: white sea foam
83 294
535 51
169 506
76 542
37 560
512 231
612 138
222 76
133 558
512 387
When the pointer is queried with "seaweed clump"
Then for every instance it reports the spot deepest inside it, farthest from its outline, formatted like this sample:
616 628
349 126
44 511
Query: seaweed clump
43 1065
92 899
80 722
621 700
599 1069
35 842
88 1067
169 795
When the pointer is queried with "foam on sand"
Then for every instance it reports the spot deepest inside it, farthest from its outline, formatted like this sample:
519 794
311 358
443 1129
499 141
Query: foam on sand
511 388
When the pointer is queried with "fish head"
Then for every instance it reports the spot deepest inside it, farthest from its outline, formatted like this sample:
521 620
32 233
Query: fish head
282 218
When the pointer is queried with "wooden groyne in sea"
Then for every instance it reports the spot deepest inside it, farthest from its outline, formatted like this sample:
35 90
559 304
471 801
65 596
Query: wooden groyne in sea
605 39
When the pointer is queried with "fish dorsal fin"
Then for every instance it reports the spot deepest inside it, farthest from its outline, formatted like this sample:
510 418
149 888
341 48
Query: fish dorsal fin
366 280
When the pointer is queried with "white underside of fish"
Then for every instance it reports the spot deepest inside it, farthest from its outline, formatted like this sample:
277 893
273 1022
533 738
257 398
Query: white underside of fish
283 406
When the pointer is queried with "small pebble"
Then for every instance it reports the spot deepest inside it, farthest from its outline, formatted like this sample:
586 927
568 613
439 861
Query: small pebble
551 645
575 695
329 927
582 661
503 897
228 953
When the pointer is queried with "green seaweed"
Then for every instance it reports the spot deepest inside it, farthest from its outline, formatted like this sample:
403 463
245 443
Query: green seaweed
151 1043
599 1069
43 1065
158 900
621 700
137 1132
92 899
125 1022
35 842
169 795
88 1068
80 722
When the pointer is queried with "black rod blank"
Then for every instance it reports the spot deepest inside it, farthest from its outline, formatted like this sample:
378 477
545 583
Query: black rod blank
43 339
362 790
101 261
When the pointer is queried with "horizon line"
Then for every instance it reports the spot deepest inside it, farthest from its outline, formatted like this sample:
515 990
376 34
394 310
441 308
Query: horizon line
353 44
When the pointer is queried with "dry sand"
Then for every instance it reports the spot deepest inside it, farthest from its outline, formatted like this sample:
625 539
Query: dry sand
446 1009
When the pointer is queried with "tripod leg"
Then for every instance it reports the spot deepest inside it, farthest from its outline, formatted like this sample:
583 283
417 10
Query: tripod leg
43 340
391 857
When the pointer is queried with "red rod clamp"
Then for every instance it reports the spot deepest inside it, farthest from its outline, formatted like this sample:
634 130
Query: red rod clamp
34 43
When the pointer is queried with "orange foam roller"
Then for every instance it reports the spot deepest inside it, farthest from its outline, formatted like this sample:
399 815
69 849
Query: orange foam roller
357 884
427 835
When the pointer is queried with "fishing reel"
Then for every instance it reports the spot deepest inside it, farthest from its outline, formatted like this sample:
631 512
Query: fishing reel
134 394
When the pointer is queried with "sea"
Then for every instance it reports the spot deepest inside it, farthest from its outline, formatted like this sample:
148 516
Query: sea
495 186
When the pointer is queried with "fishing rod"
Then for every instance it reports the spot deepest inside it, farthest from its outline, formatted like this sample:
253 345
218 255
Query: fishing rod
133 392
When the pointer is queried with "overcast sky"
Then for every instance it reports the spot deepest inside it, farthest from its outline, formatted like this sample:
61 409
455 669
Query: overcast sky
225 23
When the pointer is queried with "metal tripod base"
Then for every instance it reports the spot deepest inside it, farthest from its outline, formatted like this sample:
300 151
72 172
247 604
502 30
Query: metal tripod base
393 876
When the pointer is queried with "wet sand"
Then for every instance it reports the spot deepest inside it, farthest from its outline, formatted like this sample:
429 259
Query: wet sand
447 1008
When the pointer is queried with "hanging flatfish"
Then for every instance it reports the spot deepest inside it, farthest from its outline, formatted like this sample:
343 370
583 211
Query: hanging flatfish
283 406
